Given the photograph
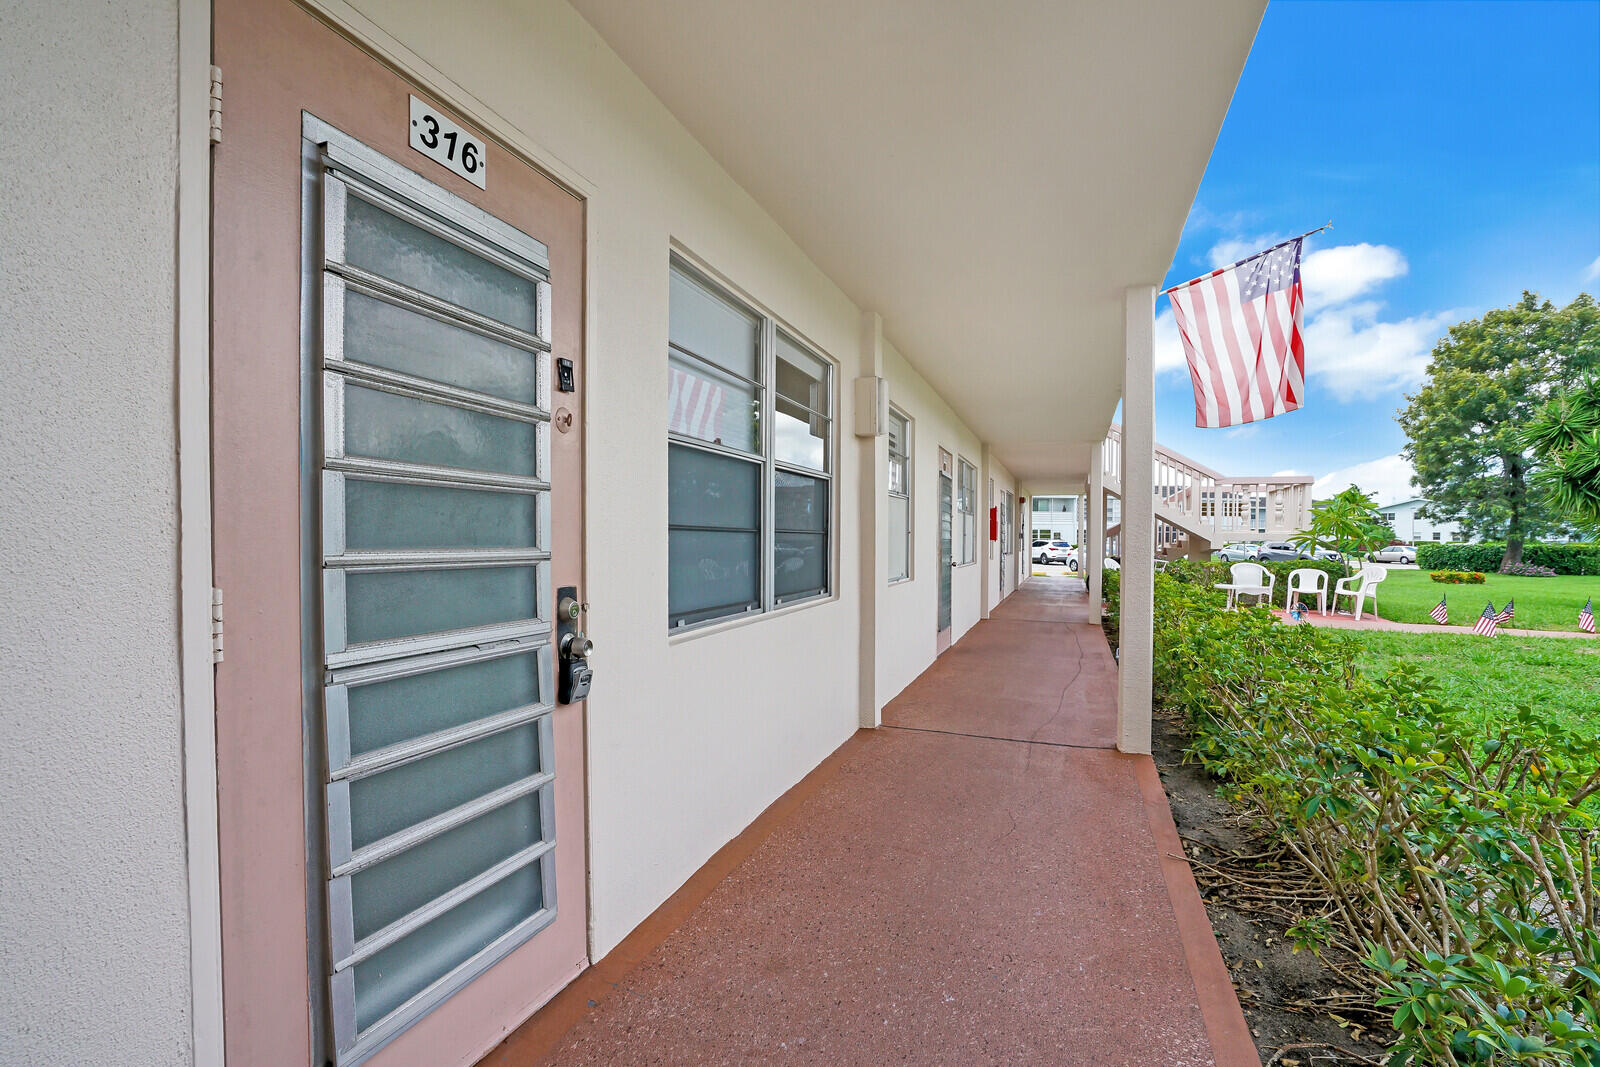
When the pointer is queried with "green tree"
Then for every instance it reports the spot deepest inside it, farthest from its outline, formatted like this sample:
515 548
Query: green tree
1565 436
1348 523
1486 380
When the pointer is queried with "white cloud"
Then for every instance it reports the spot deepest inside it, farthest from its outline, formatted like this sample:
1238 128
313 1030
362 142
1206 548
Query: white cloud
1592 272
1351 351
1344 272
1387 479
1356 356
1290 473
1231 250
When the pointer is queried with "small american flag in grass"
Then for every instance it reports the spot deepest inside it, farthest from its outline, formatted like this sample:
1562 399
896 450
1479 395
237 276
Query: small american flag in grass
1440 613
1507 613
1488 622
1586 617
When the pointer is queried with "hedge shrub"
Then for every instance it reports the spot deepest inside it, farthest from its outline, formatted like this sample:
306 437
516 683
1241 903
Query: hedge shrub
1563 559
1111 593
1461 862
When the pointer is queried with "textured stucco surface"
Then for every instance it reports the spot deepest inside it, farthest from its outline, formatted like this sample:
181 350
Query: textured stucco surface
93 920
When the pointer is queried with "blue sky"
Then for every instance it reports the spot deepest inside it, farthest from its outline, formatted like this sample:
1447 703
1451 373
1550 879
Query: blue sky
1455 146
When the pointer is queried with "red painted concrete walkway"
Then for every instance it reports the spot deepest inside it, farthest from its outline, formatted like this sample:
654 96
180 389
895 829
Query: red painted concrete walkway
982 881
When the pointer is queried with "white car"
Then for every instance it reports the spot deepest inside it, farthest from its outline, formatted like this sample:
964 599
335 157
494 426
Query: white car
1056 552
1395 554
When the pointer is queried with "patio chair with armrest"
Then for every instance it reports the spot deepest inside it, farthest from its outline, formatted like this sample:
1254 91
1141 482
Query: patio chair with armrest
1311 582
1249 579
1360 588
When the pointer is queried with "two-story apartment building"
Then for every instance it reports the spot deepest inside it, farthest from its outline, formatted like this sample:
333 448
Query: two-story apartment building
468 460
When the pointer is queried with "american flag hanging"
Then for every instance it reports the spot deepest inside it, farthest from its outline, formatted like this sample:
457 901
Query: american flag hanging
1586 617
1487 623
1507 613
1440 613
1243 333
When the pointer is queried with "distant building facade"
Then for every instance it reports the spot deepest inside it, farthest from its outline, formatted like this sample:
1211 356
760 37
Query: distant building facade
1412 528
1055 518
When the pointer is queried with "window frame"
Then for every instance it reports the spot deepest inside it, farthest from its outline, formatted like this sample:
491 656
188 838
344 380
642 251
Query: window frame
907 454
966 503
768 601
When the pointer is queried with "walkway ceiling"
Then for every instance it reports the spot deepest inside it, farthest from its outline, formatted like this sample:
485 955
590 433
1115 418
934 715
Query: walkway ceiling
989 177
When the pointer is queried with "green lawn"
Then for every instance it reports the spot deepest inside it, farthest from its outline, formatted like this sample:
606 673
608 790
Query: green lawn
1542 603
1558 677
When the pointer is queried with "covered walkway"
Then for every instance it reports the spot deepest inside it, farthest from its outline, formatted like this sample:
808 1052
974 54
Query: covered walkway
983 880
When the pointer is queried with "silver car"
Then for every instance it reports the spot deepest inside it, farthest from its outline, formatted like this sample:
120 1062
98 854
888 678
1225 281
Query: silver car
1395 554
1274 551
1240 553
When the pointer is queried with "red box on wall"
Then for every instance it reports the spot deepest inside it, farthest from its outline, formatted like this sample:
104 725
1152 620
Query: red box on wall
994 524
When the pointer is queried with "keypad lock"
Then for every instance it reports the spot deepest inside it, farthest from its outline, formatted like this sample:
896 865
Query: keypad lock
574 648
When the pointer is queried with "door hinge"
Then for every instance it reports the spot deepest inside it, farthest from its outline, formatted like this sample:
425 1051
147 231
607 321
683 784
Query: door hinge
216 105
216 625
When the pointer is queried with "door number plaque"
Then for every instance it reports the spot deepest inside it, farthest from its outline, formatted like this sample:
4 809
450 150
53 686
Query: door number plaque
447 144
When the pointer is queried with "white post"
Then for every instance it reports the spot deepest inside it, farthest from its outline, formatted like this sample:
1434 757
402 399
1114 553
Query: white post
874 532
1093 551
1136 656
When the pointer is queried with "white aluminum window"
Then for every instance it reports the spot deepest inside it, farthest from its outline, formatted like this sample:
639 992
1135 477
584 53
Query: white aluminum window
749 458
966 512
899 496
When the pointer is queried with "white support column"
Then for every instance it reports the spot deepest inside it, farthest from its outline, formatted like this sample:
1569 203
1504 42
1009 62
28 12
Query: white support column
873 527
1093 552
1136 657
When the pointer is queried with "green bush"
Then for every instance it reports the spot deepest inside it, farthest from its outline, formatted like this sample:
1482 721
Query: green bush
1111 593
1528 570
1461 863
1563 559
1458 577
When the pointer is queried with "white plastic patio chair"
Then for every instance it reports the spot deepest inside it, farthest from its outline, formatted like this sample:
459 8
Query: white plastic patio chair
1308 581
1360 588
1249 579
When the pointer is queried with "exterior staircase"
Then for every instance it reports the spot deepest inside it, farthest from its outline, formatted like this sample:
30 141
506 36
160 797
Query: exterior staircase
1198 509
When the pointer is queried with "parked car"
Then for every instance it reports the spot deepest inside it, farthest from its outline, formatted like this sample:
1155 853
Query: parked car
1395 554
1056 552
1329 554
1243 552
1275 551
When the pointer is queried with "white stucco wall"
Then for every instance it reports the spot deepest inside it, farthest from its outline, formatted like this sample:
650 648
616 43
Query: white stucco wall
93 911
1413 529
688 739
908 621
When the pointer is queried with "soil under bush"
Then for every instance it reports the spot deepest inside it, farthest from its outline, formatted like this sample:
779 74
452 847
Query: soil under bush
1299 1006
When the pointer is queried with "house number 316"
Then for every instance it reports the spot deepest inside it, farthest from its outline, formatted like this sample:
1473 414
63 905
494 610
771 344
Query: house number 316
447 144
